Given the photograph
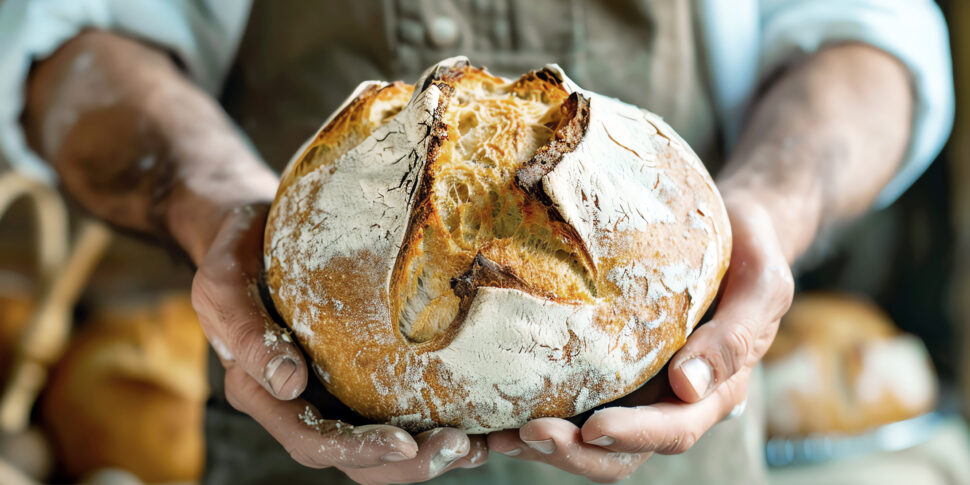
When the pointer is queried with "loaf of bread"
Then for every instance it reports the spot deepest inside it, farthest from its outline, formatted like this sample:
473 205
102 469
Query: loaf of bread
130 393
477 252
839 365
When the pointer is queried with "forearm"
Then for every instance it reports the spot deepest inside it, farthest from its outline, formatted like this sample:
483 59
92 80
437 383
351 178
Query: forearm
137 144
822 141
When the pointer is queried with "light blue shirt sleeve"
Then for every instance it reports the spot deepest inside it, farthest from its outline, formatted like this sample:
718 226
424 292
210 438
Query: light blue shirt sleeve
202 34
748 40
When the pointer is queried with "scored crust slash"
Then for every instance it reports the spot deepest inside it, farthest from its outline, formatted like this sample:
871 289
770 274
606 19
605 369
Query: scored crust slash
477 252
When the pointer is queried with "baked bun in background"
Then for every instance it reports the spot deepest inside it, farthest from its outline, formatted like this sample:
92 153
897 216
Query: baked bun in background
130 393
477 252
839 365
16 304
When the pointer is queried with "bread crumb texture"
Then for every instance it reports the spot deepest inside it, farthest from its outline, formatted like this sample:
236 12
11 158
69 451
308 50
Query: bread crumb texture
477 252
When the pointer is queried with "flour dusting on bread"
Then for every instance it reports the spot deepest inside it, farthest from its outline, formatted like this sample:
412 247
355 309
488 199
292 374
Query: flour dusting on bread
478 252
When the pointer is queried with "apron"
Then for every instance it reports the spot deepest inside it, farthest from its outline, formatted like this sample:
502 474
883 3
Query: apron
299 60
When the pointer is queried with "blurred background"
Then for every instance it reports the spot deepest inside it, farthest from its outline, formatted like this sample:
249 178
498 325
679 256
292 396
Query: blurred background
119 398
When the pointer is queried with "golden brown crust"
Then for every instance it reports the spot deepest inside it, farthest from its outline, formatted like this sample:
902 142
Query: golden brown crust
496 252
375 104
572 127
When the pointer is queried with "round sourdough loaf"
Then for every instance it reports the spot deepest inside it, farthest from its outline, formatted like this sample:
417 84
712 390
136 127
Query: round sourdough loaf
477 252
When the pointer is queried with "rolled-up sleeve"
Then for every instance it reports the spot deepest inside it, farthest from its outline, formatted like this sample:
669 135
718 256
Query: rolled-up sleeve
202 34
913 31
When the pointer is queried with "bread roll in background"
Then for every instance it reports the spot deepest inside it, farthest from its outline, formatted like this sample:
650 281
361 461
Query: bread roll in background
16 303
839 365
476 252
130 393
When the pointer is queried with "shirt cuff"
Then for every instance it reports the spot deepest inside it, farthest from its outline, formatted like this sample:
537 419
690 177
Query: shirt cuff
203 37
911 30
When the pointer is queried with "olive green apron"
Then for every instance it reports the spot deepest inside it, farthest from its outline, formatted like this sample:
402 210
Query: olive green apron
298 60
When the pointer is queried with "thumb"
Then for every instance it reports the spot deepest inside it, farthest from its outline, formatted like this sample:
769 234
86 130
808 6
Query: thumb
226 298
758 291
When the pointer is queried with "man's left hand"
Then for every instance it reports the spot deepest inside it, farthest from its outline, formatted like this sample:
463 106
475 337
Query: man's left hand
709 375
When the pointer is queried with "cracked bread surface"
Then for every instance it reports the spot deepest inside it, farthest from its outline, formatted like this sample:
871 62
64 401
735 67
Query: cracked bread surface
473 207
477 252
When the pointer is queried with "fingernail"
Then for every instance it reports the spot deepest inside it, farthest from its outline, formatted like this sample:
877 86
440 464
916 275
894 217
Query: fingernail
278 371
546 447
442 460
396 438
699 375
513 452
602 441
394 457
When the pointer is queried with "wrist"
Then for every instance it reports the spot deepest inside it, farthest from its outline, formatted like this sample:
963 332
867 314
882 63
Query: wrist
794 216
206 193
214 170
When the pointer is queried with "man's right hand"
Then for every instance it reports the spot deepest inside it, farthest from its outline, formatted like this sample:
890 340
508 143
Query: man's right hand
265 374
141 147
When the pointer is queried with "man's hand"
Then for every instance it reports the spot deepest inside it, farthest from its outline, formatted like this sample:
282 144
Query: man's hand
265 374
822 142
139 146
709 374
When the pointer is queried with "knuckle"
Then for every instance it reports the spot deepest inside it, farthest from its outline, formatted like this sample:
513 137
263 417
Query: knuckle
239 386
684 442
763 342
232 396
247 339
301 456
641 442
204 306
737 345
784 293
787 280
582 469
640 447
201 295
234 401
